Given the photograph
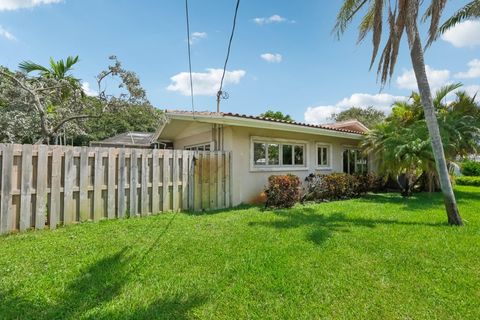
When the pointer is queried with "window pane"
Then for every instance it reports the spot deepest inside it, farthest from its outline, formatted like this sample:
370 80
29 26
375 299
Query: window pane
259 154
207 147
299 155
287 154
345 161
325 157
273 154
351 162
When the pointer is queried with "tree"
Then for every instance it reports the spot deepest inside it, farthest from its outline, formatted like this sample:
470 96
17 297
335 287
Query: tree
403 18
471 10
401 144
277 115
43 107
370 116
54 102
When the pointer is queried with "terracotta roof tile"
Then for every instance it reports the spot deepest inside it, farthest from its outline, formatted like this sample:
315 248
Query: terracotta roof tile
238 115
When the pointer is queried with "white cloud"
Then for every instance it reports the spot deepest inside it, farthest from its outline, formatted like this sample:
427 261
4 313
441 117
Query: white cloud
381 101
436 79
472 90
88 91
7 5
473 71
272 57
7 35
272 19
204 83
197 36
464 34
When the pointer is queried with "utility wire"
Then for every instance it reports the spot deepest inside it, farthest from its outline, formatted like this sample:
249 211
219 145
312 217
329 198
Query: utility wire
219 93
189 57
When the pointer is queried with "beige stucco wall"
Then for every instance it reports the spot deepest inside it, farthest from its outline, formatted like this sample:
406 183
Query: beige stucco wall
248 183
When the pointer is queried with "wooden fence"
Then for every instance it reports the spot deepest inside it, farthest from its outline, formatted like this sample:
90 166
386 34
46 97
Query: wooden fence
45 186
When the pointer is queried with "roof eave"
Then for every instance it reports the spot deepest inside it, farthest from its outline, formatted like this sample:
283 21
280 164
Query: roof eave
256 123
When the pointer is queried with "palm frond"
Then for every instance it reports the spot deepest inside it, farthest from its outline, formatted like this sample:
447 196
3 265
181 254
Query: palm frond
30 66
471 10
348 10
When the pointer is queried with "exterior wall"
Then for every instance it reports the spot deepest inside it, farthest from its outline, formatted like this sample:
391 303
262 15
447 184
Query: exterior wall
194 134
248 183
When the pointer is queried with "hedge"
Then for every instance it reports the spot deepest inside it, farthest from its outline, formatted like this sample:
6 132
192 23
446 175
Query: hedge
468 181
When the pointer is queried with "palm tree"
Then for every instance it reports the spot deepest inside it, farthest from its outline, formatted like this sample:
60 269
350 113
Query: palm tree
401 143
403 17
471 10
58 70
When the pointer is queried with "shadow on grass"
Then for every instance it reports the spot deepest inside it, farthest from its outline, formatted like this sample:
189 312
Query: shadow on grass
96 286
324 226
242 207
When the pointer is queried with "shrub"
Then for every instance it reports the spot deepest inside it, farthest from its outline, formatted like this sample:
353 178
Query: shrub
283 191
339 186
468 181
471 168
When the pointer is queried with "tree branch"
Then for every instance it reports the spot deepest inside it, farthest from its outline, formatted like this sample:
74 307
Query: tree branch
81 116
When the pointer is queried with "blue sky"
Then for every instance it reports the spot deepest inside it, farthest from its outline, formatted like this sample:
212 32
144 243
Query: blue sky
284 56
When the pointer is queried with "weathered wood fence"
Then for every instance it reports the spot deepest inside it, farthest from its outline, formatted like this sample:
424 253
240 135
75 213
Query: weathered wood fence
45 186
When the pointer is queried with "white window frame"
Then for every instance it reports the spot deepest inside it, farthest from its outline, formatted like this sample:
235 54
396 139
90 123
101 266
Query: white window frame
199 145
329 147
357 149
280 166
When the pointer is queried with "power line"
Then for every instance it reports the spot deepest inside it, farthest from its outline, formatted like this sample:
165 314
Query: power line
189 57
220 93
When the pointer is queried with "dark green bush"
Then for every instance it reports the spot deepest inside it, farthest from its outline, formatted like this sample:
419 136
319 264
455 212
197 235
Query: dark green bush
468 181
471 168
339 186
283 191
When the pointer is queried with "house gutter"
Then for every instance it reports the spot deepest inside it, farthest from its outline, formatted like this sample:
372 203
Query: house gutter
262 124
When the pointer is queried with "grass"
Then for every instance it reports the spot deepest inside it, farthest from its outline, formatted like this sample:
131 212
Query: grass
379 257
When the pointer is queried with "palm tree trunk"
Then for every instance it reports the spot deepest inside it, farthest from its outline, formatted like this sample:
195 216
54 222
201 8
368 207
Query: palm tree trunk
416 55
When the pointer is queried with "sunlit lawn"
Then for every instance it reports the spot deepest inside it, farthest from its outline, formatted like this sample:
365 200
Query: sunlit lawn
380 257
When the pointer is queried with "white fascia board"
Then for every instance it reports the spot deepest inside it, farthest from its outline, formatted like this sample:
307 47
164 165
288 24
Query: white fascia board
262 124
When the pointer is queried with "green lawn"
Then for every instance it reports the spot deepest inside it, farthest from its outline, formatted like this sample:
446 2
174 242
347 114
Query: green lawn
379 257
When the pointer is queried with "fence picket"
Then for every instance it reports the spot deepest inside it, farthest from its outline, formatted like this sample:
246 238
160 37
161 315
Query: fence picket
6 209
122 180
68 214
98 183
26 193
184 205
144 187
55 187
112 154
133 183
155 182
175 181
41 189
83 194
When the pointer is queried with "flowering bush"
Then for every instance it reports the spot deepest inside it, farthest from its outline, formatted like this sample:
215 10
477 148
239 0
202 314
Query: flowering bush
339 186
283 191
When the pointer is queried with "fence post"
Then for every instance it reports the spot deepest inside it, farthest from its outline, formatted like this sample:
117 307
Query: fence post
6 209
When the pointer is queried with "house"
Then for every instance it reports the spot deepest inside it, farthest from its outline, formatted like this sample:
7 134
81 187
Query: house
261 146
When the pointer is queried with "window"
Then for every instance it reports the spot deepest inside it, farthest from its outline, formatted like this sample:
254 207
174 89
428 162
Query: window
278 154
199 147
323 155
354 161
